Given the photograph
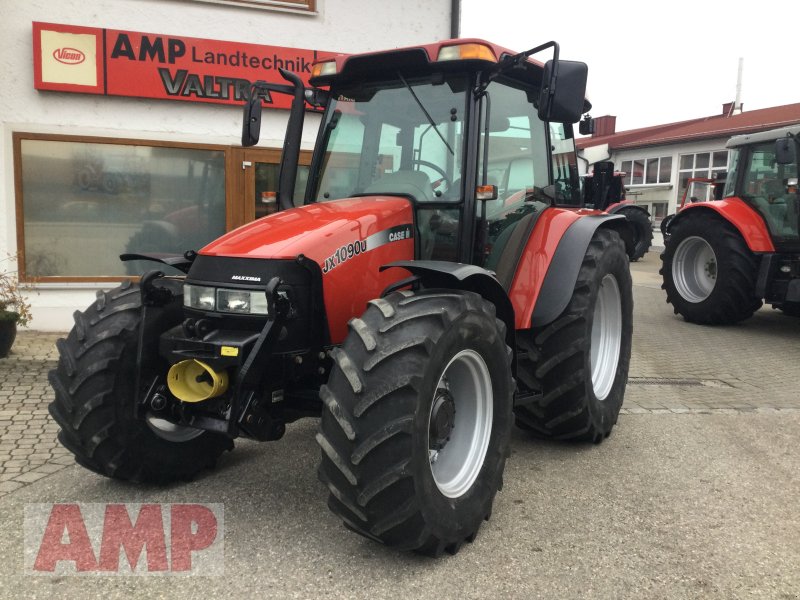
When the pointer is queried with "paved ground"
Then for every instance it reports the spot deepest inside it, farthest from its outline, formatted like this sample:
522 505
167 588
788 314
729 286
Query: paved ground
693 496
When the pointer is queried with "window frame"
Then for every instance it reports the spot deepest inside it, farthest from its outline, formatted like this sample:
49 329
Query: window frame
645 164
306 7
19 205
710 170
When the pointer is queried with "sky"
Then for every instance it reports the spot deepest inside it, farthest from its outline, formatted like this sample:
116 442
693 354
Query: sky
657 62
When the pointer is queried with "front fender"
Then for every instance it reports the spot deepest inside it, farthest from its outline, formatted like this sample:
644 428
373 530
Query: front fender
734 210
471 278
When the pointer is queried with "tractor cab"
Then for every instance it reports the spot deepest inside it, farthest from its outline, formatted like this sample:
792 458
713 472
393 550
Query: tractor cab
764 174
478 138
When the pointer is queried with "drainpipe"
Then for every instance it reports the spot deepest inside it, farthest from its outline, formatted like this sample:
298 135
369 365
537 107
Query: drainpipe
455 18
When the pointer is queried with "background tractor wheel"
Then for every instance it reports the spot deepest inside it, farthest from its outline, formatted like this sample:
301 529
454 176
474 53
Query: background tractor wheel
665 233
580 361
709 273
791 309
94 403
416 420
642 231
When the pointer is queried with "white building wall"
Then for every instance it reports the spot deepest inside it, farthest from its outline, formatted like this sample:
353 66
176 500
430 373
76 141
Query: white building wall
338 26
660 192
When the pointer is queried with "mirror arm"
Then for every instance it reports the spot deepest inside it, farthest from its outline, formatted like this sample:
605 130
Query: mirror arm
509 62
290 156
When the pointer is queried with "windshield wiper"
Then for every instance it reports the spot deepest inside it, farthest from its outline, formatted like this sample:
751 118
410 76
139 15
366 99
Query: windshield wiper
426 113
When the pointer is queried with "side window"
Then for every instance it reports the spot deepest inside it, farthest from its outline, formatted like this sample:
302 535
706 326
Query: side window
389 152
766 187
517 151
565 165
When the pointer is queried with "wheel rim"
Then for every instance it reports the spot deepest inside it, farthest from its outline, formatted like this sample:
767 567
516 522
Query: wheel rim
464 398
606 336
169 431
694 269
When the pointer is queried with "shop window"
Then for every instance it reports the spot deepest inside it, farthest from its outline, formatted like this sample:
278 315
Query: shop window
81 202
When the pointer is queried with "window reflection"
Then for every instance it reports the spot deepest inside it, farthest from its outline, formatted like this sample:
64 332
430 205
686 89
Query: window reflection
84 204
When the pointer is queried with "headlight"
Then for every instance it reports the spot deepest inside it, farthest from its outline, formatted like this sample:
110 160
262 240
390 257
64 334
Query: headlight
243 302
199 297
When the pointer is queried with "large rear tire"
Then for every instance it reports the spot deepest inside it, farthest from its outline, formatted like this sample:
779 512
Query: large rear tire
709 273
580 361
416 420
642 230
94 399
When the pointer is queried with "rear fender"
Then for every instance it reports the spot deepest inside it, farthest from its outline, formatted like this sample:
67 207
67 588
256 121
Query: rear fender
626 205
470 278
549 267
744 218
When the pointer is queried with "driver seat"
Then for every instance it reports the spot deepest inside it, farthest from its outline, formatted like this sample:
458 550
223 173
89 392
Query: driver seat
409 183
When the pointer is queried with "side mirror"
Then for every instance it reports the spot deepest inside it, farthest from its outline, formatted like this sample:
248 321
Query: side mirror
549 192
317 98
785 153
563 91
251 122
586 126
499 124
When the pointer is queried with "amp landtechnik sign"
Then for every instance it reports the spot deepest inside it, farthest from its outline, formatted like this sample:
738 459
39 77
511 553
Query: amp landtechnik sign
91 60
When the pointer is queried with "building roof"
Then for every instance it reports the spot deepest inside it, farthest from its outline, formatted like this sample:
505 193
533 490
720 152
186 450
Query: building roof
717 126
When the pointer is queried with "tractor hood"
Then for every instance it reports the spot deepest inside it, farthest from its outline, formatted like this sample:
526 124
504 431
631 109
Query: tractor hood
348 227
350 240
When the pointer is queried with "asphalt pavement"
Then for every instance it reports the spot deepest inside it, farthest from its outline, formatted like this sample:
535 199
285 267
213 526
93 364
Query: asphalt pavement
694 495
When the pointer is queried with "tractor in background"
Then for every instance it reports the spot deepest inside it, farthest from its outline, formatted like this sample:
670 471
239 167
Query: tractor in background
604 190
724 258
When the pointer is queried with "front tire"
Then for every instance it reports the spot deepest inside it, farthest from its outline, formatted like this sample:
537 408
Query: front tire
709 273
94 399
580 361
416 421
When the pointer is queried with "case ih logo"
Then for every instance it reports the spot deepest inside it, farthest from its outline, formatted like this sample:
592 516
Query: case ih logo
69 56
124 539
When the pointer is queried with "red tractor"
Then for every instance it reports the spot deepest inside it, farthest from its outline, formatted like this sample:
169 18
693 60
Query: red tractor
604 190
698 189
724 258
417 306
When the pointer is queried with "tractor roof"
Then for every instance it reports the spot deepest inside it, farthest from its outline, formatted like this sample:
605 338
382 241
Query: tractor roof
762 136
447 55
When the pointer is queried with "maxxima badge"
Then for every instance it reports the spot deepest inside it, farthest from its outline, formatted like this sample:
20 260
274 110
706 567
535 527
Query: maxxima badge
153 539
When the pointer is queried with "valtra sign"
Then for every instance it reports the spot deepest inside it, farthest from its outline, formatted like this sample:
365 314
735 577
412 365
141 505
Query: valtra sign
90 60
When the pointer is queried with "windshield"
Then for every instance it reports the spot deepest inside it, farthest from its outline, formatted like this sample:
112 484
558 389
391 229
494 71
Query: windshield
402 136
771 188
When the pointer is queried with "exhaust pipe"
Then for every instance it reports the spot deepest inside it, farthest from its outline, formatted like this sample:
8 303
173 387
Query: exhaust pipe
195 381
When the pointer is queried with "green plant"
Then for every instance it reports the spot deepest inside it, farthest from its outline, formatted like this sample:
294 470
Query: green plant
13 304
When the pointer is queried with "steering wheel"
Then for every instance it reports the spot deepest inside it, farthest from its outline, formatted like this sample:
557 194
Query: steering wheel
439 170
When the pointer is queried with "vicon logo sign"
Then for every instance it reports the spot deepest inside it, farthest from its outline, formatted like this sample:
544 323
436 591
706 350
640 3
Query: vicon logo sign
124 539
69 56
